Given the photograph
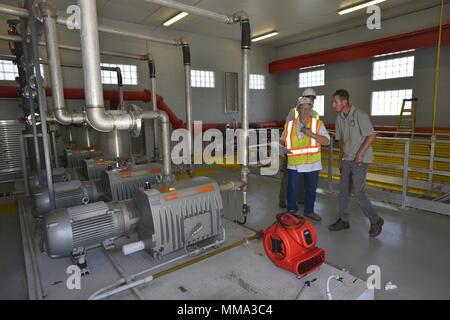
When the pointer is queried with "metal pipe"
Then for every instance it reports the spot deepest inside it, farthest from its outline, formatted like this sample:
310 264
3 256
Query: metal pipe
103 52
55 151
26 57
14 11
9 37
152 74
194 10
42 105
188 100
24 166
165 126
54 66
95 109
117 31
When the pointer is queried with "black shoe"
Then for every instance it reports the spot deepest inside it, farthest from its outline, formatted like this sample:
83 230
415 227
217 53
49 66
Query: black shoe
376 228
292 211
282 204
339 225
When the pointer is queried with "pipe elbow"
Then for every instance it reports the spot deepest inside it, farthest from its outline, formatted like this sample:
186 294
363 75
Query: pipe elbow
163 116
99 120
239 16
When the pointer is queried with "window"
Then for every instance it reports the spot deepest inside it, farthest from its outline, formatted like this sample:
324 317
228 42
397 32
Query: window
319 105
9 72
311 79
129 74
393 68
389 103
202 79
257 82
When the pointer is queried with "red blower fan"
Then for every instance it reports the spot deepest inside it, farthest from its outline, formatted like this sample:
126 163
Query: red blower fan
290 243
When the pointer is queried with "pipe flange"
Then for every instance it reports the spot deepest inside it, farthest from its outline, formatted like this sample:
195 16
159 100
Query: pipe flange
135 113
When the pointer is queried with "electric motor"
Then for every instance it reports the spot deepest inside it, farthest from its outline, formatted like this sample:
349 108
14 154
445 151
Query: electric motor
75 157
87 226
175 215
67 194
120 184
59 175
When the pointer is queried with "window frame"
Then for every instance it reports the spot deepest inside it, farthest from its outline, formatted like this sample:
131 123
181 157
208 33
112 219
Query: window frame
125 74
257 82
384 91
311 70
197 80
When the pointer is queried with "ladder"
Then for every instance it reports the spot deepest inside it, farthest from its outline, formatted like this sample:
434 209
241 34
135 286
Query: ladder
407 120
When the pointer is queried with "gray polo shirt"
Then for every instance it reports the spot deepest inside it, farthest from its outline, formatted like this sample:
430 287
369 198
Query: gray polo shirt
353 130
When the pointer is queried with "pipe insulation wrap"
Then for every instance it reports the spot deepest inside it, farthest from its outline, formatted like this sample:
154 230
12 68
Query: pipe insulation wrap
246 32
186 55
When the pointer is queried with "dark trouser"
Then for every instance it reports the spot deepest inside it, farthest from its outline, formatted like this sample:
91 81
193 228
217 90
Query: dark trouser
354 175
284 184
310 180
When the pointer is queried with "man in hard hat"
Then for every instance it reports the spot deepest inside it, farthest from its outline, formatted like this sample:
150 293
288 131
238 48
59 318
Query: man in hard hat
292 115
303 138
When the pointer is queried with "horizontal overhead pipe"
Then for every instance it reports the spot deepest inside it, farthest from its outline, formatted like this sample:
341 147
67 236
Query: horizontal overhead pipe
194 10
14 11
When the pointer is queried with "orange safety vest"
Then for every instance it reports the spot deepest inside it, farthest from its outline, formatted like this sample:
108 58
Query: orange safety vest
305 150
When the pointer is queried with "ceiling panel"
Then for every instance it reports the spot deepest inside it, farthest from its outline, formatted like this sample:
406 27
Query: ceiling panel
293 19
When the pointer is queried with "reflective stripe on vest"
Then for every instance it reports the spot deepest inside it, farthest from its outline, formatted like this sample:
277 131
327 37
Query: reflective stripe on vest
299 148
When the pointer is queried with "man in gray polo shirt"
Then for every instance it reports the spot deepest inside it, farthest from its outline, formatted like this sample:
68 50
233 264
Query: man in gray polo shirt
356 135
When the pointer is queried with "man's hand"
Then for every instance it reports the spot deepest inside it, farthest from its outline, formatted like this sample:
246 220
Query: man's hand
307 131
358 158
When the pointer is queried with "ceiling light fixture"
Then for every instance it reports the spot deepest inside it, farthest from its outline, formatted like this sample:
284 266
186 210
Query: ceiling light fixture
171 21
359 6
265 36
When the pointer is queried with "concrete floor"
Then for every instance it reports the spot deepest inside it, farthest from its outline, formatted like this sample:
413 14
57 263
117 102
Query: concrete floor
13 283
412 251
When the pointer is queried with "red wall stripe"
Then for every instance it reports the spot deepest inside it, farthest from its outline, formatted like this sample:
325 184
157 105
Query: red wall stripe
414 40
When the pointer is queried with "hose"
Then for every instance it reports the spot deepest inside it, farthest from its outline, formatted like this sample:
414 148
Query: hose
134 284
338 278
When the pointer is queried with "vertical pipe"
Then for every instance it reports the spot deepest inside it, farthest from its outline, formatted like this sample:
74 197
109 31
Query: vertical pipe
406 174
245 120
188 97
431 166
438 61
24 165
42 104
26 57
152 73
90 52
55 151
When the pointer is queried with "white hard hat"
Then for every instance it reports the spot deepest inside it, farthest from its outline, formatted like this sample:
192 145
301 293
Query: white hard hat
309 93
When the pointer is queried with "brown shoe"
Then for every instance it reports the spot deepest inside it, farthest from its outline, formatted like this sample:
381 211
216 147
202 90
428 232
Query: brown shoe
339 225
375 229
282 204
313 216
